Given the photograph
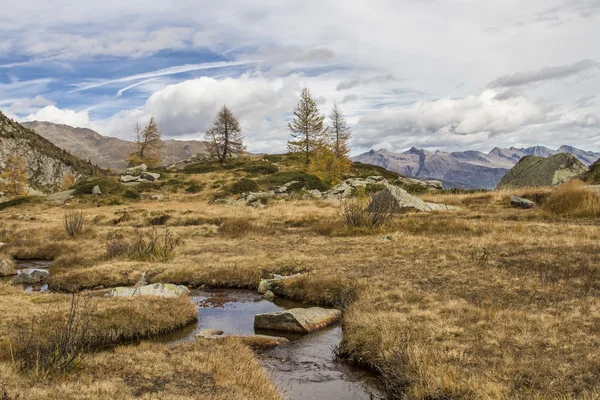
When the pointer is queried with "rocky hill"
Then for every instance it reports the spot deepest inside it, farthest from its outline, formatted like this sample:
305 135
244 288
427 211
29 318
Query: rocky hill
539 171
109 152
466 169
46 163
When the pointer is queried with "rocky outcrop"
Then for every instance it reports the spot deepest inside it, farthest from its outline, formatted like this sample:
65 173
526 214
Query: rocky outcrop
538 171
7 267
157 289
402 201
519 202
299 320
139 174
422 184
46 164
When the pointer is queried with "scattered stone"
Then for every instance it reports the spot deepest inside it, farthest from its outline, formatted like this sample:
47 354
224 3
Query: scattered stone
7 268
519 202
301 320
150 176
431 185
129 178
157 289
142 281
254 341
158 197
31 277
315 193
209 333
137 170
386 238
269 284
96 190
269 295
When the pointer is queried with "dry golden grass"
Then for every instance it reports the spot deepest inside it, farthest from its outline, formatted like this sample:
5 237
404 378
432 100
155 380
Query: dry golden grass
573 199
486 303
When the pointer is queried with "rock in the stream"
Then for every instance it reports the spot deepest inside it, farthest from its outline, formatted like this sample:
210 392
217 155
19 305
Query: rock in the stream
255 341
156 289
520 202
209 333
7 268
31 277
269 295
269 284
301 320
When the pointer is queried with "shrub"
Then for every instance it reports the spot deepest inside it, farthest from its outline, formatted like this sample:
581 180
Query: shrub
357 213
244 185
194 188
21 200
74 222
107 185
263 168
159 220
573 199
200 168
131 195
55 344
236 227
304 180
144 246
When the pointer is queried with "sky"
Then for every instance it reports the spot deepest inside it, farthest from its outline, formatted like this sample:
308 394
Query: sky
448 75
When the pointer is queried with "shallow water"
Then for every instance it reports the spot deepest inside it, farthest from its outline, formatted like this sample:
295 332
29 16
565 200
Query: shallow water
27 266
304 369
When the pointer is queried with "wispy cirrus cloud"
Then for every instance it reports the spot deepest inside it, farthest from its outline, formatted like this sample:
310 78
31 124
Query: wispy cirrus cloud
544 74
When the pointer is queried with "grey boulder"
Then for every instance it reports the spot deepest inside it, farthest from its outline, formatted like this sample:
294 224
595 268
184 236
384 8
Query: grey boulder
31 277
300 320
269 284
7 268
519 202
166 290
137 170
400 201
129 178
150 176
96 190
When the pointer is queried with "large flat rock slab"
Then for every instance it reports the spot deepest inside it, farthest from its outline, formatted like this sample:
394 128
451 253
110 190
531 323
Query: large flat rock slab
157 289
300 320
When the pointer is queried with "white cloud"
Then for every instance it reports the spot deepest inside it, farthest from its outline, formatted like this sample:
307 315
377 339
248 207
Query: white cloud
61 116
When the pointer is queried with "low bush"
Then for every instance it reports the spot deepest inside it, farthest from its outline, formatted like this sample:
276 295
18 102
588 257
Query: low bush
159 220
236 227
144 246
358 213
304 180
131 195
21 200
360 170
194 188
573 199
107 185
244 185
263 168
55 344
74 222
201 168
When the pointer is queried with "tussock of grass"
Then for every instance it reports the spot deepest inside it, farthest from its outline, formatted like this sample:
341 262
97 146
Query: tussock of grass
573 199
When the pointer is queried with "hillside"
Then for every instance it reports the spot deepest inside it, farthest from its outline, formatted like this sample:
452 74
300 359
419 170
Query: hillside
466 169
539 171
47 164
109 152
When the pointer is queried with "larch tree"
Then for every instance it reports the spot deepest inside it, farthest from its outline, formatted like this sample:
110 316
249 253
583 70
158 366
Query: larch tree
225 136
14 176
339 133
149 146
306 127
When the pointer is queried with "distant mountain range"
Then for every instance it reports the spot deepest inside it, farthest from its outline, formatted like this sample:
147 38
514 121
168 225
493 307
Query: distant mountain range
109 152
464 169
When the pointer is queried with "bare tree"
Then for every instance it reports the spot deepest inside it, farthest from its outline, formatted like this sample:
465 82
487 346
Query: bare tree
339 132
307 127
225 135
149 145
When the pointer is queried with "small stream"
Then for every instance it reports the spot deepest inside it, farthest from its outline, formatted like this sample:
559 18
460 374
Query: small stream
304 369
28 266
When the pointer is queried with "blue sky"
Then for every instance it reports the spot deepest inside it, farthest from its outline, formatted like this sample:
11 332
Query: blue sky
476 74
